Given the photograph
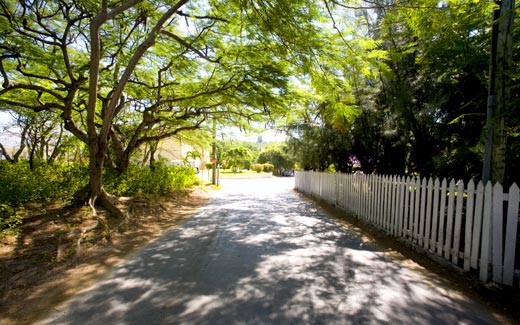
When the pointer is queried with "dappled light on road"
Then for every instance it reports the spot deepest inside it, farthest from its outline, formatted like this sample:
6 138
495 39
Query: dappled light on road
260 254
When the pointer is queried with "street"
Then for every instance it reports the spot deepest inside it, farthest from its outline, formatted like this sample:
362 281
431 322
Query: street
259 253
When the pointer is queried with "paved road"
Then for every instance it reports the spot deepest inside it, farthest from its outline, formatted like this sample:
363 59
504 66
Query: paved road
260 254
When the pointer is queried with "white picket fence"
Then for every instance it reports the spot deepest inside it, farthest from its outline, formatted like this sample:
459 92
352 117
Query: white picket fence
473 226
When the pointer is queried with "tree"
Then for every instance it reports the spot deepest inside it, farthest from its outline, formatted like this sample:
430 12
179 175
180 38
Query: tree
414 105
237 157
123 74
278 155
499 91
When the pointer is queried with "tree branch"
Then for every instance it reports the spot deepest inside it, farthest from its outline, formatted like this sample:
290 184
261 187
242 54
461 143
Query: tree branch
189 46
183 14
5 154
34 108
136 57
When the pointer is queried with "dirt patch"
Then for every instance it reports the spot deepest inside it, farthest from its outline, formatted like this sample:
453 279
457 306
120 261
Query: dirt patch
65 250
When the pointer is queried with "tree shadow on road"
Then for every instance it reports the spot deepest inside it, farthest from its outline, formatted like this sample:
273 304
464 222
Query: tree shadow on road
278 260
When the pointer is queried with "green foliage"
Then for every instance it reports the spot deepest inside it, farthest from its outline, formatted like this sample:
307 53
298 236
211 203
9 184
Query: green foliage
159 180
318 147
416 103
10 219
278 155
19 184
238 157
258 168
268 168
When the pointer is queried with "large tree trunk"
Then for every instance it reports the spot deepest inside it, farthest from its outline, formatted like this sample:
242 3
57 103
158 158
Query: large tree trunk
500 70
98 141
503 80
95 169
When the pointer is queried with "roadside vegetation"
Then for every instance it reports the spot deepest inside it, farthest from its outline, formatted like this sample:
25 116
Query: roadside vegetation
56 185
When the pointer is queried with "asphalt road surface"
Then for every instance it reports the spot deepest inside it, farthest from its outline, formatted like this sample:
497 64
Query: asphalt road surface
261 254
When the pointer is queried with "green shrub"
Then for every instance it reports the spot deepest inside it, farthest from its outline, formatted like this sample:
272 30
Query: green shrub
258 168
19 184
159 180
10 219
268 168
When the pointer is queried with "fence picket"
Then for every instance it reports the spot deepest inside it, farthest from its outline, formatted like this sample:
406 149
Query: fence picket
377 198
384 206
422 213
498 220
485 254
345 191
442 216
449 220
379 202
389 211
470 205
373 191
477 226
400 196
365 196
416 209
458 223
435 216
511 232
462 224
392 205
411 191
355 189
428 221
406 210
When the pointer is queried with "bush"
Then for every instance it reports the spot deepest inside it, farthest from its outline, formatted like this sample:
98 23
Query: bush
268 168
258 168
19 184
10 219
158 180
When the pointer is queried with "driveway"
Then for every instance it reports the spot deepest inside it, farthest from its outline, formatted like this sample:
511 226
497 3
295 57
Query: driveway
261 254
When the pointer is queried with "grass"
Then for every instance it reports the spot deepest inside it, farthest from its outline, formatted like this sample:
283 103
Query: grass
241 172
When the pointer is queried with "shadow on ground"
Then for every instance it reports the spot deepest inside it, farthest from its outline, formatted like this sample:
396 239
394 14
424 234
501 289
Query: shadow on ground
267 258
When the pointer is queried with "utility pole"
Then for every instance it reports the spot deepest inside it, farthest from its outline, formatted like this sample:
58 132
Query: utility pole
499 91
214 154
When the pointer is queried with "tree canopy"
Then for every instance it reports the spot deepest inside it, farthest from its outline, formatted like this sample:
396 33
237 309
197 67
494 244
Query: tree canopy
382 85
123 74
417 106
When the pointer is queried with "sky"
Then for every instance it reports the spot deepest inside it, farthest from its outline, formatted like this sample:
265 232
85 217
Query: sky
268 135
4 118
5 138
